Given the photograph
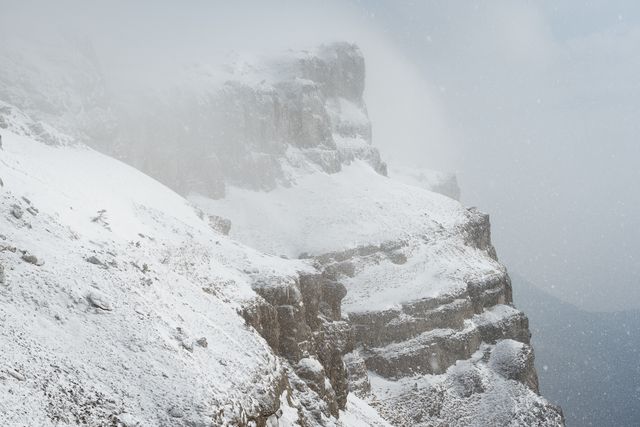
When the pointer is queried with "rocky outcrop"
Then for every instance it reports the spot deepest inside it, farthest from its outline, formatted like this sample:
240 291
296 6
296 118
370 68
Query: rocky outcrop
477 234
470 392
470 336
301 321
514 360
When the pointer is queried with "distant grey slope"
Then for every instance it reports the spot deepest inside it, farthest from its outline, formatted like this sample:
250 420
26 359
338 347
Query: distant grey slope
587 362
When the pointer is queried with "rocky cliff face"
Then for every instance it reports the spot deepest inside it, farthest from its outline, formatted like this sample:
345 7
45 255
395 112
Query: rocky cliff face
255 124
418 312
301 286
419 360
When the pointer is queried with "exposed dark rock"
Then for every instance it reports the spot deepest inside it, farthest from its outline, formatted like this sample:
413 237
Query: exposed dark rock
489 291
264 318
312 372
94 260
303 118
336 269
32 259
514 326
477 232
17 211
339 68
358 374
514 360
385 327
432 352
335 340
220 224
301 319
332 295
267 410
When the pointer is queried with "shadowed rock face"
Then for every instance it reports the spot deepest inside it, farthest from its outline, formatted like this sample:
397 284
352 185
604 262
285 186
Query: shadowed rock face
477 234
301 321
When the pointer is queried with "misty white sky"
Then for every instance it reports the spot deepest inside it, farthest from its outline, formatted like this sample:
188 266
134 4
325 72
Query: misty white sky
533 103
541 99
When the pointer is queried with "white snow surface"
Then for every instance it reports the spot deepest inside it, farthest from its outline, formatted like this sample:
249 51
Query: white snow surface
329 212
324 213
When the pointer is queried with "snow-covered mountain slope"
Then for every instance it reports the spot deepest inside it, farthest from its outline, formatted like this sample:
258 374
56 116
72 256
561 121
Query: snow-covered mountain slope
429 304
120 304
326 213
298 285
